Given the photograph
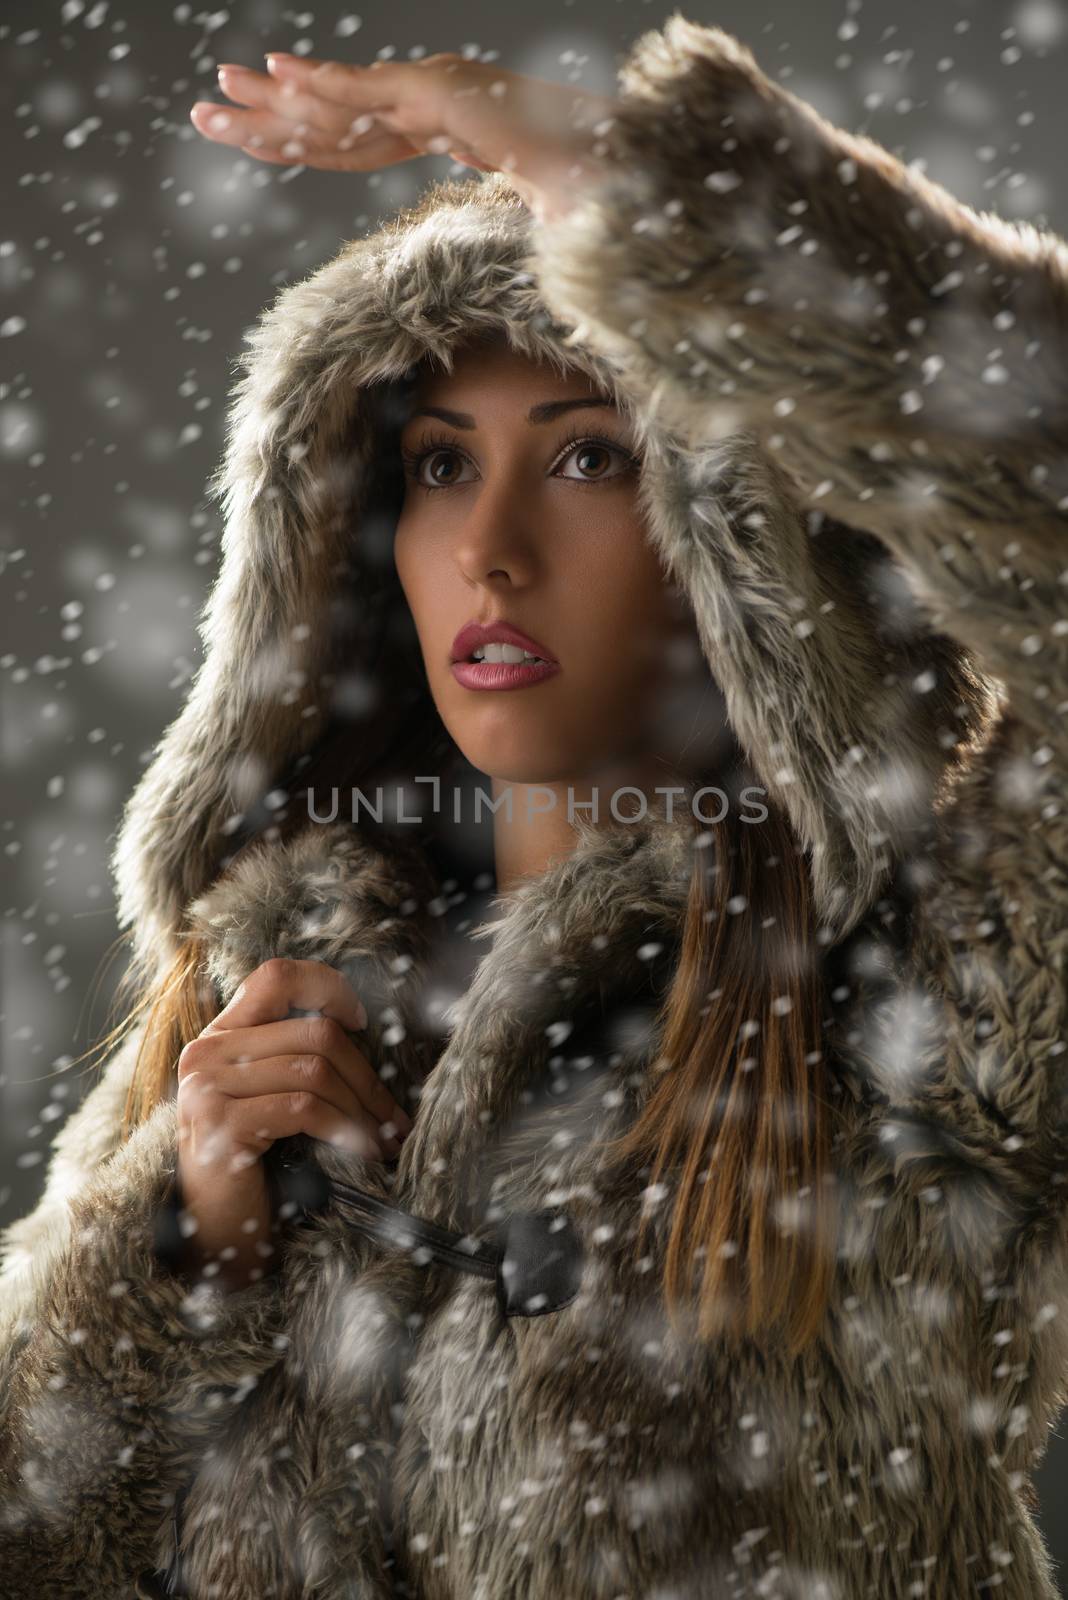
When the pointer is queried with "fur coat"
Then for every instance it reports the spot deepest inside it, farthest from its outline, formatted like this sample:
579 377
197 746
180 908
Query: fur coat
852 392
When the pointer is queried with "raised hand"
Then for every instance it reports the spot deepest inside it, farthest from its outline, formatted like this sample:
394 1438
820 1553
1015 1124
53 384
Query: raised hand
546 137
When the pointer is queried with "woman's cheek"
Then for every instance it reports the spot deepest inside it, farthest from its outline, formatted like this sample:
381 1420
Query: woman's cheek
416 580
400 560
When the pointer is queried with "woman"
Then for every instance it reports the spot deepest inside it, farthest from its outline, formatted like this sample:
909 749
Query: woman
745 1138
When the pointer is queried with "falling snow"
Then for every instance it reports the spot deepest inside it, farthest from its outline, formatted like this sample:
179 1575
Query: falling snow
135 257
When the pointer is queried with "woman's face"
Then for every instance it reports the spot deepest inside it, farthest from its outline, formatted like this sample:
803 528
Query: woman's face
521 505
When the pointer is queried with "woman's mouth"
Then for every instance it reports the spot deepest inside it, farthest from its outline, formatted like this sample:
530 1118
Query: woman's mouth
502 666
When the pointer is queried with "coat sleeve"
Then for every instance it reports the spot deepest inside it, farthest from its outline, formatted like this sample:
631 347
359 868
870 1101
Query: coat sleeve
744 264
116 1374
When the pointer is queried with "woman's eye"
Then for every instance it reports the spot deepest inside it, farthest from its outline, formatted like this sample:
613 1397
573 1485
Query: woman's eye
439 479
581 455
441 466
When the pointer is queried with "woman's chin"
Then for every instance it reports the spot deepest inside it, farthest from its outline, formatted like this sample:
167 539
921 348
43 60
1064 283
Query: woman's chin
515 769
511 747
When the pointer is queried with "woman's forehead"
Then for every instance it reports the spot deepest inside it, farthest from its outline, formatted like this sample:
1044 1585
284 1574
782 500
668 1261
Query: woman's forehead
494 363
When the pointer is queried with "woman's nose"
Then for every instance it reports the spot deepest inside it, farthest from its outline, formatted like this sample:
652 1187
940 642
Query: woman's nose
495 540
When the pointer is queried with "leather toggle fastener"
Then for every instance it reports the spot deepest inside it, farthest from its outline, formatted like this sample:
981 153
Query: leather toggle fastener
534 1258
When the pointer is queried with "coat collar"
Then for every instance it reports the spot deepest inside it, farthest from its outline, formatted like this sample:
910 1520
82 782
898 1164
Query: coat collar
563 951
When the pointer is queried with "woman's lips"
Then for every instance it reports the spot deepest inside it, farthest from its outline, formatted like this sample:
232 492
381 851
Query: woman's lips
502 674
474 635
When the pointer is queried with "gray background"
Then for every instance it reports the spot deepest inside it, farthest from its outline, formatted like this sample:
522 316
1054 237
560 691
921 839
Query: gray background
133 253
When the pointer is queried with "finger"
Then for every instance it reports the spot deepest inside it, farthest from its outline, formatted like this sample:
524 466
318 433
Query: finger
306 1039
256 91
420 102
233 125
505 121
283 984
324 1036
364 147
381 154
281 1074
409 96
255 1124
239 127
230 1133
377 84
276 158
332 127
298 1036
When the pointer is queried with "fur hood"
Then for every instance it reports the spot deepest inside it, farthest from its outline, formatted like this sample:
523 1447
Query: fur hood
848 704
867 510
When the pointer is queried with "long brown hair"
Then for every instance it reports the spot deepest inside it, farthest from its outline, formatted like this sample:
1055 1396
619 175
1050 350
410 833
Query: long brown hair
738 1113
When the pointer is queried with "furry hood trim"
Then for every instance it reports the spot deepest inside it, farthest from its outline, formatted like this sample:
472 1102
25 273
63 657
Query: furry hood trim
848 707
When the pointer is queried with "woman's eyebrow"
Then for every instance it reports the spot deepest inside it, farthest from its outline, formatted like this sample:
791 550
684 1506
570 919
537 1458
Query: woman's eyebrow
545 411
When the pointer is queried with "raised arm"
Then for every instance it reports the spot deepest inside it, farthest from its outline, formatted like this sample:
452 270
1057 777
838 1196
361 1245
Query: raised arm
749 266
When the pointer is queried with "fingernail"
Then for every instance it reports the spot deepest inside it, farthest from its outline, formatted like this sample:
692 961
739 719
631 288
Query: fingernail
228 67
276 59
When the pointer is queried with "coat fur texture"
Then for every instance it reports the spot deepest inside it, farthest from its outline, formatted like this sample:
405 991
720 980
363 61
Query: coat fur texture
851 391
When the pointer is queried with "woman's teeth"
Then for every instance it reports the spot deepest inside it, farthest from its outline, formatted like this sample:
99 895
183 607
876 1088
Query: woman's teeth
503 652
